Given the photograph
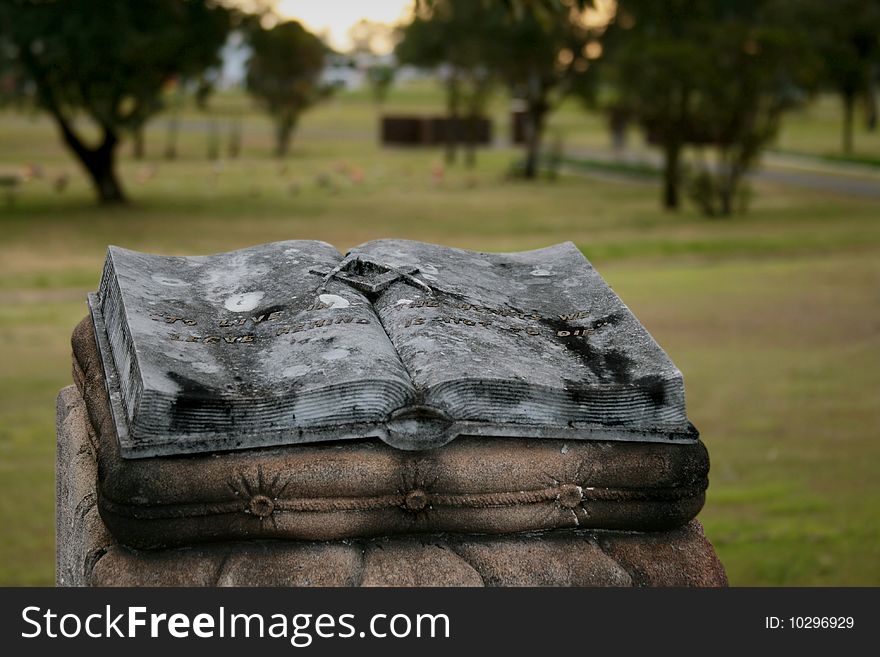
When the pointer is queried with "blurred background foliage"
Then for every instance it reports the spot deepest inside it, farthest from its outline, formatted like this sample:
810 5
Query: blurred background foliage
719 161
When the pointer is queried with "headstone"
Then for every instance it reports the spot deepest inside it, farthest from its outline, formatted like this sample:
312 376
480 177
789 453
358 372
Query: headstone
229 413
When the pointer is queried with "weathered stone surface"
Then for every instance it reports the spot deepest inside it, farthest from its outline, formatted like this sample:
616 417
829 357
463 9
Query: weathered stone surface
412 343
89 556
561 559
254 563
680 557
203 353
402 562
366 488
531 338
80 534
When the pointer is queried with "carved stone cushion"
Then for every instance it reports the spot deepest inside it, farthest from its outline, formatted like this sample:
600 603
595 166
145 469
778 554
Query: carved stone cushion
88 555
362 489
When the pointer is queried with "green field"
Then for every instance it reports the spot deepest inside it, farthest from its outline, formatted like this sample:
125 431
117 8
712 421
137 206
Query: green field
774 317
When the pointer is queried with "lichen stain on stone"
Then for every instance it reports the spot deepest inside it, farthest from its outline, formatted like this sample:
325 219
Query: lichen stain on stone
295 371
243 302
336 354
206 368
170 282
334 301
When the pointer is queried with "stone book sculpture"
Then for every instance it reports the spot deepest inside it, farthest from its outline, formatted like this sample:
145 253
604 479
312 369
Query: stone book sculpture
270 416
412 343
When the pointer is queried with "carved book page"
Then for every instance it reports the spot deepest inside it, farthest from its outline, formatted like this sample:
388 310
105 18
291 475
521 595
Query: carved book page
535 339
241 350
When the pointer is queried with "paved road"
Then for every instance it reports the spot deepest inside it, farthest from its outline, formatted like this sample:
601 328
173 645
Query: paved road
797 171
846 180
839 184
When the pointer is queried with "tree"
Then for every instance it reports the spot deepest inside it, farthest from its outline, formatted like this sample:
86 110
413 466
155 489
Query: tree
454 37
543 51
714 74
284 74
846 34
540 49
759 70
370 40
372 37
380 77
107 61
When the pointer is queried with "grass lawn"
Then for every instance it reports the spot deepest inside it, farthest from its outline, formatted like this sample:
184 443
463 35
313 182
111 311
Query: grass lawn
817 130
774 317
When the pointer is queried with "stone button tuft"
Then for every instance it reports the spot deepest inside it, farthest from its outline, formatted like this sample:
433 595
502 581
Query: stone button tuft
570 495
416 500
261 506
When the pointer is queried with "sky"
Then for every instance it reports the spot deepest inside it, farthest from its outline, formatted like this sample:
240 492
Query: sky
333 18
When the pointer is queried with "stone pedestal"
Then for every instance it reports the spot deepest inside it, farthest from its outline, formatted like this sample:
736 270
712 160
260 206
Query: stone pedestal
88 555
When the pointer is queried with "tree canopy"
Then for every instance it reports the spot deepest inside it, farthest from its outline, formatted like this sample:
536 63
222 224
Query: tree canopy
108 61
544 53
714 73
284 74
455 38
536 48
846 34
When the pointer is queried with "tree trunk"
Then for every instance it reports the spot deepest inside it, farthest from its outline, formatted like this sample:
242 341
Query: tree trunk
849 102
671 174
213 140
234 139
871 98
103 174
617 123
536 109
137 144
100 164
731 182
173 130
284 134
534 132
725 198
453 98
471 141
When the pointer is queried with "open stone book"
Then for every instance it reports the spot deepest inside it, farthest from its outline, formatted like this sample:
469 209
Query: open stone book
413 343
